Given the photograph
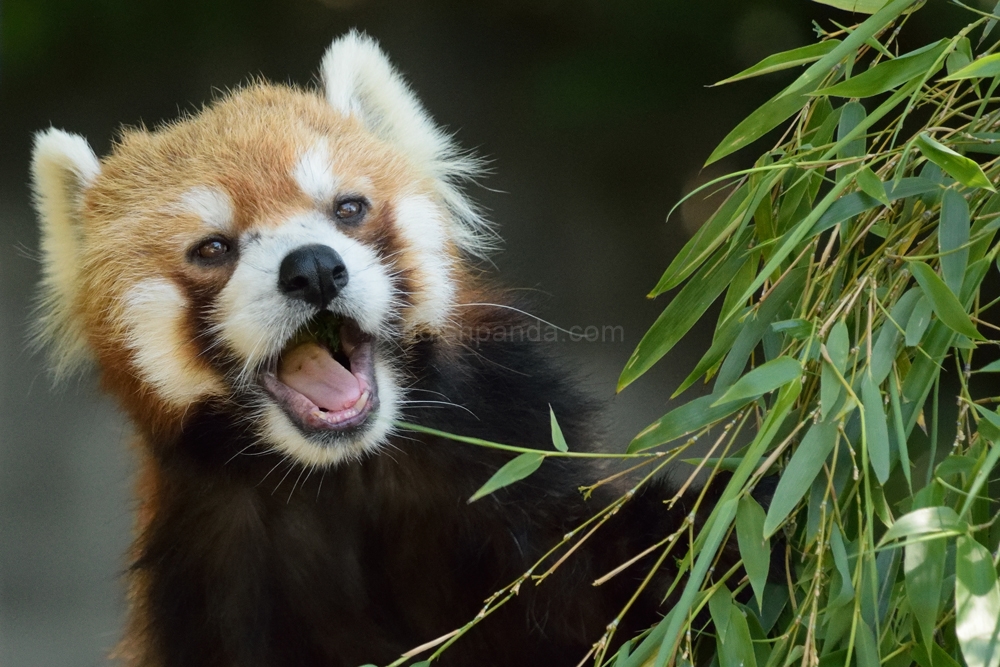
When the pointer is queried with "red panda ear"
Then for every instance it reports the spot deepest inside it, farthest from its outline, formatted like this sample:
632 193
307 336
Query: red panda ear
63 166
358 80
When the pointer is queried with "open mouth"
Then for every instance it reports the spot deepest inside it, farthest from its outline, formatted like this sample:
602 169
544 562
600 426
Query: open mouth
325 377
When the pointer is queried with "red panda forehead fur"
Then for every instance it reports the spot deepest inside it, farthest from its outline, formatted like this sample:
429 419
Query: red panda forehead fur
247 144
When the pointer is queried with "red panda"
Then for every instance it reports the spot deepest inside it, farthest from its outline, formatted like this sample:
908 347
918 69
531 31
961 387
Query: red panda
267 287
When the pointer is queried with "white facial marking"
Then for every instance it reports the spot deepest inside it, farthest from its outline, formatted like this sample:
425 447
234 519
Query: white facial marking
422 225
314 173
212 205
255 319
154 311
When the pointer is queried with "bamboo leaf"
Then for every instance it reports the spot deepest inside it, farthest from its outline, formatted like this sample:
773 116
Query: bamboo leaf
715 530
890 73
679 316
953 238
838 345
756 326
919 320
558 439
981 68
959 167
944 301
857 203
803 467
887 337
708 237
768 116
781 107
513 471
977 604
685 419
872 186
923 572
755 549
855 6
876 429
763 379
923 521
867 649
845 592
785 60
737 651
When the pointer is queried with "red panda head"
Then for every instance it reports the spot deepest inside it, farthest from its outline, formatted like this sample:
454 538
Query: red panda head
268 254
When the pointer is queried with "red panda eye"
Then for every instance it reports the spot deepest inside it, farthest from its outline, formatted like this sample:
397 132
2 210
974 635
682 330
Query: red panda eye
212 249
350 210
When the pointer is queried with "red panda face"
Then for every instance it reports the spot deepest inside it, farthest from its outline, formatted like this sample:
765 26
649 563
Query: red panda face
268 256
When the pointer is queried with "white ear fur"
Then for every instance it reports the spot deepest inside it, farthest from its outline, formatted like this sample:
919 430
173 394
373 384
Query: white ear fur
63 166
359 81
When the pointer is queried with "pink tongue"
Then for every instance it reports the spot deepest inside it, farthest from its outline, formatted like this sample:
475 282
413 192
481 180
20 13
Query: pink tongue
310 370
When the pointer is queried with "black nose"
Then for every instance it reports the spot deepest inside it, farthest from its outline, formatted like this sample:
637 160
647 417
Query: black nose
313 273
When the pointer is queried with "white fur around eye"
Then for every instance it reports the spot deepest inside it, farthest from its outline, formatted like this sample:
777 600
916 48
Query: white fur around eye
314 173
212 205
162 352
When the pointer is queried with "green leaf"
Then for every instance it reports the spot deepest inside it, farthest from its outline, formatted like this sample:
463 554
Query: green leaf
680 315
715 530
768 116
992 367
962 169
513 471
887 336
785 60
763 379
840 561
872 186
977 604
986 468
890 73
838 346
982 68
796 235
738 649
781 107
876 429
718 606
852 115
805 464
709 236
558 439
755 549
900 431
923 571
919 320
725 336
953 238
867 649
944 301
754 327
856 6
685 419
960 57
857 203
924 521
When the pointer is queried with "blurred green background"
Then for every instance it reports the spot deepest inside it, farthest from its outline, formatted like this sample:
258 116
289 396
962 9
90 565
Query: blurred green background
595 116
